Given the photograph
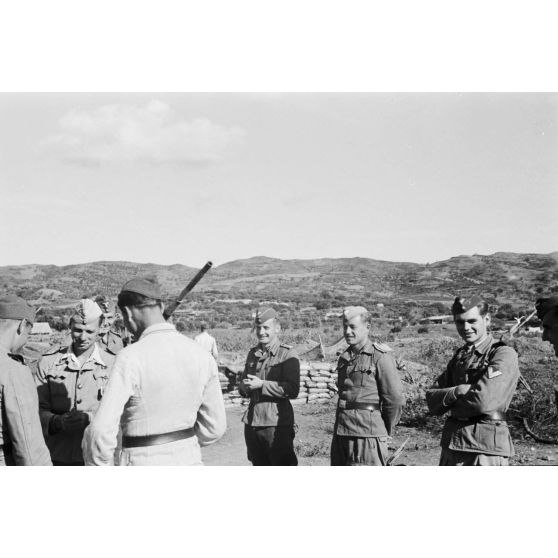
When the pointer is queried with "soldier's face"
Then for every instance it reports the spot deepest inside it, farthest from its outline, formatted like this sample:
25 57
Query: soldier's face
355 331
550 329
471 326
267 332
84 334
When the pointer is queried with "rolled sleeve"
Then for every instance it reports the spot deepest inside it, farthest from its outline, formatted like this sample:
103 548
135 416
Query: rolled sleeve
211 421
100 437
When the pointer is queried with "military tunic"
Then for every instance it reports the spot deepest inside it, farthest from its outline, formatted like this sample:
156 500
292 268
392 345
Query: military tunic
163 383
370 405
269 419
476 424
63 385
21 439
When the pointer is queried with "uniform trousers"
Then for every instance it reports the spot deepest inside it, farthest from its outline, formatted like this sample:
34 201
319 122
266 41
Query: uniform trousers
270 445
352 450
451 457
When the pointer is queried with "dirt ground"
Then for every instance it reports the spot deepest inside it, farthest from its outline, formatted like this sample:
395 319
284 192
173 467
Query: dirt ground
315 421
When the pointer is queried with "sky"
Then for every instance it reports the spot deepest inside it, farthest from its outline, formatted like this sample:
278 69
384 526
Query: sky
185 178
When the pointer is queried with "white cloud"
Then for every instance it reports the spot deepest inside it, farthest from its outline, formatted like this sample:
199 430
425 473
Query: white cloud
149 133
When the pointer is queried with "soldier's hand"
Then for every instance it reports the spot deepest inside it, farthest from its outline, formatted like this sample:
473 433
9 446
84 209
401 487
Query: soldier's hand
462 389
75 421
253 382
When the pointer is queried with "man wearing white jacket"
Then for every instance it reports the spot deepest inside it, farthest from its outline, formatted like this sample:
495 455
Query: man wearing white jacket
164 391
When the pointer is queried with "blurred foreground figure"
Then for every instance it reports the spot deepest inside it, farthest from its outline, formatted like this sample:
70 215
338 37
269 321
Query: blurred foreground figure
476 390
271 377
370 395
164 391
207 341
547 311
71 382
21 438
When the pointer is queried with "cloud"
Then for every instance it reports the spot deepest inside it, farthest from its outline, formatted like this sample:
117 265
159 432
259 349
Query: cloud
129 133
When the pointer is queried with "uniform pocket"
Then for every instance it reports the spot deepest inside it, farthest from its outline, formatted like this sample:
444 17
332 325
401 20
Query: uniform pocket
59 395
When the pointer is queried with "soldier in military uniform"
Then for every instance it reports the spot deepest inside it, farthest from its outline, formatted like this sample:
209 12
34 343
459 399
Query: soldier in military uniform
547 312
21 439
476 390
70 383
110 340
370 395
271 377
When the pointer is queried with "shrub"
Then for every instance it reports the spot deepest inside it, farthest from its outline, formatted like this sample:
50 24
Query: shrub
422 329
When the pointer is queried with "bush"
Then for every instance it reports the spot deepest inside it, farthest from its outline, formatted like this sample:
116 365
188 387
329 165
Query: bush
422 329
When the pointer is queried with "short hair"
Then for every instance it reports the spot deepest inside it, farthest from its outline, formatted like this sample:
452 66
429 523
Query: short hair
129 298
203 326
462 305
365 317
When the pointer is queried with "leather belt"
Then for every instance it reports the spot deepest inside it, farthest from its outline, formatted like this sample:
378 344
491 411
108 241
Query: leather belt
361 406
156 439
496 416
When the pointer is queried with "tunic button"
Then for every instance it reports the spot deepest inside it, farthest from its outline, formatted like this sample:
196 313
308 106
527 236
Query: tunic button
78 401
79 386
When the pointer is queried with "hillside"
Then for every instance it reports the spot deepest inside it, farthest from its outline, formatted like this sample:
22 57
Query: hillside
504 278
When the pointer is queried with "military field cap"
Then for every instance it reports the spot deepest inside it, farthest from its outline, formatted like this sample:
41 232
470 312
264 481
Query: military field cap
86 310
146 286
351 312
16 308
461 305
544 305
263 314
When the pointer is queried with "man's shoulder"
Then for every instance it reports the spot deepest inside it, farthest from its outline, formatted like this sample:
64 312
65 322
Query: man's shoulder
10 362
501 349
54 353
381 348
287 351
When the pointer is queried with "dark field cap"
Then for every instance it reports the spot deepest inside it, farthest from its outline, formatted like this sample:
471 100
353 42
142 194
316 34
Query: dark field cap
263 314
146 286
544 305
462 305
15 308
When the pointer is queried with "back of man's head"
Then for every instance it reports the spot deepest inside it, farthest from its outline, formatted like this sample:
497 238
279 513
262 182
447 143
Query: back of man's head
16 319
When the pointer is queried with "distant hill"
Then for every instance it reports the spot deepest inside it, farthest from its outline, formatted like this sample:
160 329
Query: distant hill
503 276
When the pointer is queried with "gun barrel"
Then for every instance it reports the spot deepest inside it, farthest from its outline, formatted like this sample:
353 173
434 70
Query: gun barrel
196 279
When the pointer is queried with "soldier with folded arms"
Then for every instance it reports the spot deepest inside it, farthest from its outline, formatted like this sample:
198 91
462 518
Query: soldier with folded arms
21 438
370 395
475 391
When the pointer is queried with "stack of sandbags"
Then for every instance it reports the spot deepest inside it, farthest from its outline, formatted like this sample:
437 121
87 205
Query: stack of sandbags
302 393
224 381
320 382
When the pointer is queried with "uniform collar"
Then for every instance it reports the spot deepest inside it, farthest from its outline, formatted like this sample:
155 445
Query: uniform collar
481 347
157 328
69 356
272 348
349 355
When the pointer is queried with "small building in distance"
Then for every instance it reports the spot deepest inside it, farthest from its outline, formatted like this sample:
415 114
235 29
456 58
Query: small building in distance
443 319
41 331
